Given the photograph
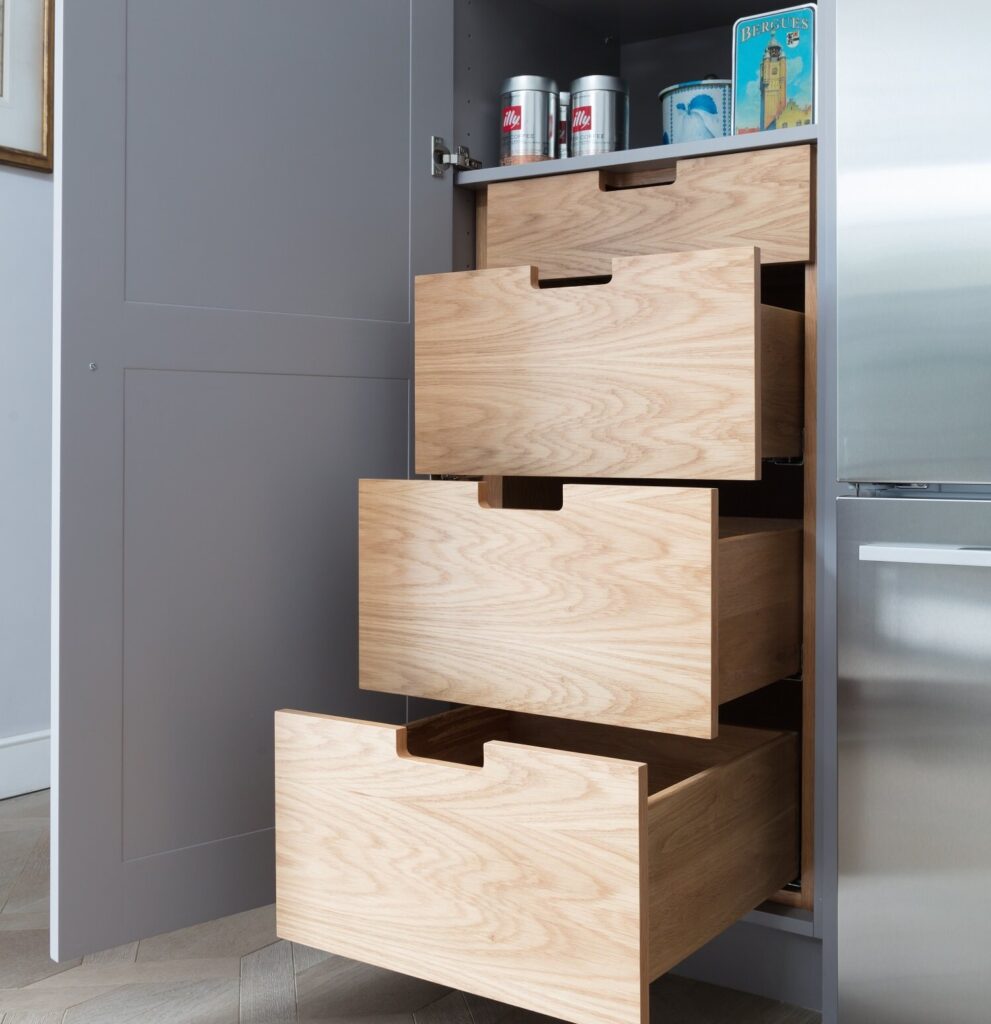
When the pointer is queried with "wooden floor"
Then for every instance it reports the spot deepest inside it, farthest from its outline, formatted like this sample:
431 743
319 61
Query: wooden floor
235 970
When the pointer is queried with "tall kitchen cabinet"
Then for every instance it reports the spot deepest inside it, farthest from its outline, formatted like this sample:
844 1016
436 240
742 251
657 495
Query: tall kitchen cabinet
501 486
606 562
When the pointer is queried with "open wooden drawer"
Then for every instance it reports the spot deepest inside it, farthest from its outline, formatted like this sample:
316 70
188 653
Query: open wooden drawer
628 605
559 866
572 225
673 369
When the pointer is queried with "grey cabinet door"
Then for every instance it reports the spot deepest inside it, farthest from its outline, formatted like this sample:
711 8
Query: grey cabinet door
242 197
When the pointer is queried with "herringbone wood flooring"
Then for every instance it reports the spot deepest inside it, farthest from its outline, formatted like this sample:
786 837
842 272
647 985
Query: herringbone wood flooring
235 971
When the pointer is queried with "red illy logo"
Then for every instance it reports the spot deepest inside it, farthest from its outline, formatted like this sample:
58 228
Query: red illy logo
581 119
512 118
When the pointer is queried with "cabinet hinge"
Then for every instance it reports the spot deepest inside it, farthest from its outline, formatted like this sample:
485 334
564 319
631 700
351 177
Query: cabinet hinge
441 158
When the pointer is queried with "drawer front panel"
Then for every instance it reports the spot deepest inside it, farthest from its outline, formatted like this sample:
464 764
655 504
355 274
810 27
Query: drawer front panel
557 866
656 374
603 610
572 225
520 881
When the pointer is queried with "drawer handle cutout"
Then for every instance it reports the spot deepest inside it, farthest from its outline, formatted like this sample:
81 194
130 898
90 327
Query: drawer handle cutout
574 282
530 493
621 181
566 282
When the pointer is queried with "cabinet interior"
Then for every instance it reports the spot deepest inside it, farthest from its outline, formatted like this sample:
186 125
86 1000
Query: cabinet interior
785 491
648 43
652 45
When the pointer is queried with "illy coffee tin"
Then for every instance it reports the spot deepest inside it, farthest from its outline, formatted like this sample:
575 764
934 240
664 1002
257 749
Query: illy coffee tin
691 111
600 115
529 119
563 119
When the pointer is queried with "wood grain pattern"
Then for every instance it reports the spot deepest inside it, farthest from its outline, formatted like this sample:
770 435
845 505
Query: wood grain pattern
451 1009
460 736
782 391
481 228
810 559
268 986
604 610
124 954
343 991
760 604
805 896
523 873
733 830
666 371
571 225
176 1002
521 880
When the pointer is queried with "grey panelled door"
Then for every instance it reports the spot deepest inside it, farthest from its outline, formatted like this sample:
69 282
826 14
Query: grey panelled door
243 194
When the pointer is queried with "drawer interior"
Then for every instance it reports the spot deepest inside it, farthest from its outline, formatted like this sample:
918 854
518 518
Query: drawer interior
459 736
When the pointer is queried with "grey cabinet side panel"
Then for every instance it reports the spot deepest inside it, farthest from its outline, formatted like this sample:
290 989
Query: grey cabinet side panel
766 962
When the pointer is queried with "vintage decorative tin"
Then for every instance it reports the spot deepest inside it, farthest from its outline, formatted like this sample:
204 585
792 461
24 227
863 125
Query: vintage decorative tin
600 115
696 110
529 119
774 70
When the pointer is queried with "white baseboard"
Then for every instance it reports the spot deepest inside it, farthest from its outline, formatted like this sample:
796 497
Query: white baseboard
25 762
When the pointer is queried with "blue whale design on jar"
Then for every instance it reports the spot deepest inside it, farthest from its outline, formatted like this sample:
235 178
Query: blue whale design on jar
693 111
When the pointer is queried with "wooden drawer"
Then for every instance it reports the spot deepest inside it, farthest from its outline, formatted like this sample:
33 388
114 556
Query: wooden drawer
559 866
633 606
671 370
572 225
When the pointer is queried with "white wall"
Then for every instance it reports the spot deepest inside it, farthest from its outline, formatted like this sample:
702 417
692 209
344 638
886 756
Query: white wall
25 475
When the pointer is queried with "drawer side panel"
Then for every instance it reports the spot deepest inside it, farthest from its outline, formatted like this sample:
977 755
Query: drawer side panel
760 609
719 844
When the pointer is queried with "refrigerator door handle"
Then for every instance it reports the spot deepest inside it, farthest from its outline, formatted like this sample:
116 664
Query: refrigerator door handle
926 554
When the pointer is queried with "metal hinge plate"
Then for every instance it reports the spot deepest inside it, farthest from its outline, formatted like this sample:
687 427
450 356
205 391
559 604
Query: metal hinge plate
441 158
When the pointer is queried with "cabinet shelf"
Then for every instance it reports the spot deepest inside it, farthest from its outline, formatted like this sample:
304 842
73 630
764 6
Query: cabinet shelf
641 159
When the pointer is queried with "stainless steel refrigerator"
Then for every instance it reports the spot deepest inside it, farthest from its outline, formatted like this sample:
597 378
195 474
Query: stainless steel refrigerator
913 173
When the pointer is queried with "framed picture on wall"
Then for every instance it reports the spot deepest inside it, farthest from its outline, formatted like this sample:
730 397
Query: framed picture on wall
26 73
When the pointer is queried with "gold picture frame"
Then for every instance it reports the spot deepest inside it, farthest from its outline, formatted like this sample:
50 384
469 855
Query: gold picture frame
41 158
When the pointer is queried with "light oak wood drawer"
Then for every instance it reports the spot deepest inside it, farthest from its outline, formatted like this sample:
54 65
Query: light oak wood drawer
672 370
633 606
572 225
558 866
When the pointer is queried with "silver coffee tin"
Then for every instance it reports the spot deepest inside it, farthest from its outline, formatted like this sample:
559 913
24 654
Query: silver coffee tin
563 123
529 111
600 115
